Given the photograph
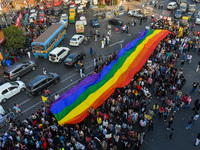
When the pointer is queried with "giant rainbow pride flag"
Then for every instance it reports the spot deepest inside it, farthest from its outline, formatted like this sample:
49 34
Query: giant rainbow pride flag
72 107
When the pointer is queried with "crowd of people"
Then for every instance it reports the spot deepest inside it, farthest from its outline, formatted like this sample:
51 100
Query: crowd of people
129 113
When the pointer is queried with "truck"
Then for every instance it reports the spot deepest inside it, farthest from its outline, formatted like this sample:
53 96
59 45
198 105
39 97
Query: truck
79 25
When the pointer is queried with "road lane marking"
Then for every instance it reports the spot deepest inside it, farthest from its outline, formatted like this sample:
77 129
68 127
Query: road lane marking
116 43
24 102
59 82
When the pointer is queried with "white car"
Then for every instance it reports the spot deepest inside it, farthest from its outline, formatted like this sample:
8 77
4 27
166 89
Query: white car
172 5
76 40
32 17
9 89
2 111
83 18
77 1
80 9
64 17
33 11
58 54
197 21
82 4
72 7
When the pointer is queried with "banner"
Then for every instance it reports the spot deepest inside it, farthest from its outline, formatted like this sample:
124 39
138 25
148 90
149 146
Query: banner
17 23
2 38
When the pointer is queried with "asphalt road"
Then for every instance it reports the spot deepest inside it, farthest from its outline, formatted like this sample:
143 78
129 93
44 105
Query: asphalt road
155 140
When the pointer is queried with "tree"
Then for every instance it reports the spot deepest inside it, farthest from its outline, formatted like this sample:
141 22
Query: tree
14 38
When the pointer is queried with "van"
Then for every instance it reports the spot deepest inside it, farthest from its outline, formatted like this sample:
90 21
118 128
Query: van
58 54
16 71
41 82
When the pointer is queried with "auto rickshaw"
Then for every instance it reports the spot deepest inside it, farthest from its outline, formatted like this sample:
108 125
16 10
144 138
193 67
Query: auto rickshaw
65 5
184 21
71 19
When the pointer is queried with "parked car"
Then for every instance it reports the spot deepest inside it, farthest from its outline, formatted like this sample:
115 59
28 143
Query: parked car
178 14
16 71
197 21
172 6
116 21
9 89
37 85
76 40
95 23
42 18
58 54
73 58
83 18
57 2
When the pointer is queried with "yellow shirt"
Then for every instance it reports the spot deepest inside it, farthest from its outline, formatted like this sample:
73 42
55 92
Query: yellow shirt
99 120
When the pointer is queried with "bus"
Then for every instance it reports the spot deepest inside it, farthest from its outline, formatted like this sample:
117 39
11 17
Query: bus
46 42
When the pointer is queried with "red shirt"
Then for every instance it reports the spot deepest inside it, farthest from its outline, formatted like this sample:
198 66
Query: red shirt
44 145
105 117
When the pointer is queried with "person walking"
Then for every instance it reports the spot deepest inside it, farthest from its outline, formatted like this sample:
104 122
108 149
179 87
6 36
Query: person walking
91 52
195 85
95 61
56 96
190 123
170 122
188 101
143 124
82 72
171 133
44 71
198 67
48 93
150 127
140 20
29 54
178 95
197 139
102 44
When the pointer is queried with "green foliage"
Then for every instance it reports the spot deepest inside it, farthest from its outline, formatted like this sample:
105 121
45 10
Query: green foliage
115 2
14 38
102 5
